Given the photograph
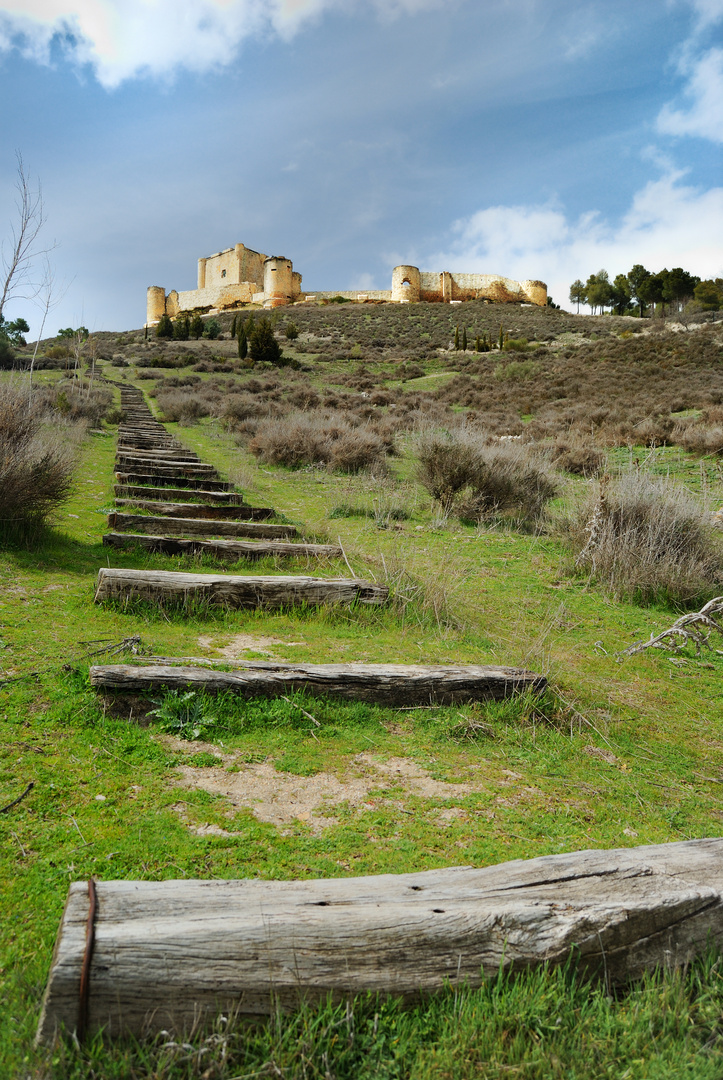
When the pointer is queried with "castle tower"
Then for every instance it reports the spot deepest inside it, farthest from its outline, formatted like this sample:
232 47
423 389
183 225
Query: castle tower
155 303
406 284
278 281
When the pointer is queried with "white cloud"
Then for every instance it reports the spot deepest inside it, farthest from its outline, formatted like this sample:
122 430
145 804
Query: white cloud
121 39
704 115
668 224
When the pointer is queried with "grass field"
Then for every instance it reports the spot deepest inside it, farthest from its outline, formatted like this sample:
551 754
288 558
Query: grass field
619 752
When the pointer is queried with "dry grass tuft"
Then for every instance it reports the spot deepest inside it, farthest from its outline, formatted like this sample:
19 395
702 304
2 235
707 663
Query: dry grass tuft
476 478
35 467
644 538
326 438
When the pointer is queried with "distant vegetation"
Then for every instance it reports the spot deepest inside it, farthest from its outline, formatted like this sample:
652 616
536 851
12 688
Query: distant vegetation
639 292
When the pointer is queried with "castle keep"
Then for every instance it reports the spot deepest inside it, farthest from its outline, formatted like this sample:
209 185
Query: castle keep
240 275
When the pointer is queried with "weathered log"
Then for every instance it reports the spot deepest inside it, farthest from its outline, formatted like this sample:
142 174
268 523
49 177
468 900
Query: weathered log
201 495
378 684
234 591
199 510
166 953
193 527
231 550
166 468
159 479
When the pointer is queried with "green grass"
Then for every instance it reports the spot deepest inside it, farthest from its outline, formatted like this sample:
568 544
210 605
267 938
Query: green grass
618 754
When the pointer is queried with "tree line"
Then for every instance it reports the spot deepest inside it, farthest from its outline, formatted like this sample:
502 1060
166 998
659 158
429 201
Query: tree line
639 291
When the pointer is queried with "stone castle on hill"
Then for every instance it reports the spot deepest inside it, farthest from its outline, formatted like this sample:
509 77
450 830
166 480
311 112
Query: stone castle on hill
240 276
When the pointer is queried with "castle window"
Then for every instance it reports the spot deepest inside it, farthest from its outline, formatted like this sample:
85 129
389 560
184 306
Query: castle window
223 273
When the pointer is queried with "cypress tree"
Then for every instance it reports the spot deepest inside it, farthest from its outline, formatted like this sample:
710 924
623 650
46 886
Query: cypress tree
233 327
464 340
243 344
456 337
165 327
501 340
477 344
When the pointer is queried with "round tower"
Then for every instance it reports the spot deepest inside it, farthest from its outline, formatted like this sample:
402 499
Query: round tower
406 284
278 281
536 291
155 303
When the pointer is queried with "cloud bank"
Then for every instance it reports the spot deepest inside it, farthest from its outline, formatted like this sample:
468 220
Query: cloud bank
123 39
668 224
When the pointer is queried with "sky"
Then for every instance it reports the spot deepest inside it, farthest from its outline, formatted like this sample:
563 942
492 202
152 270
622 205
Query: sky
537 139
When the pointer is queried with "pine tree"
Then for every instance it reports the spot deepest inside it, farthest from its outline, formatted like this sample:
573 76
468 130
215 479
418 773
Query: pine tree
196 326
263 344
165 327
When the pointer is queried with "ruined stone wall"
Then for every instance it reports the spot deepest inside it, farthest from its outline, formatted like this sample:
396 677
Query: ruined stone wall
220 296
446 286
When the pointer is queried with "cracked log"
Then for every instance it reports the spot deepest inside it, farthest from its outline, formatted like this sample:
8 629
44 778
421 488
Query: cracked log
379 684
232 550
234 591
167 953
201 528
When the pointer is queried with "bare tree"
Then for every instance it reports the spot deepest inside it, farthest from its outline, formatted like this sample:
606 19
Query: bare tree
23 248
47 298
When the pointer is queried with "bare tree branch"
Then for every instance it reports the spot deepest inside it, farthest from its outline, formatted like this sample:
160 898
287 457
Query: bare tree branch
19 255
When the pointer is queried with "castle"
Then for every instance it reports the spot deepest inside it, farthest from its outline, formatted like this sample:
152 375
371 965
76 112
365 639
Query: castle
240 276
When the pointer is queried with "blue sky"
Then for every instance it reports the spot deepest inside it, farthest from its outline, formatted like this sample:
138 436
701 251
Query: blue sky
536 139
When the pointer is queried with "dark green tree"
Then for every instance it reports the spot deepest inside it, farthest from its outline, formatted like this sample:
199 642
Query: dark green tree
456 337
636 281
291 331
709 294
233 326
652 290
13 331
196 328
212 329
679 287
243 343
621 294
599 291
165 327
181 328
464 340
263 345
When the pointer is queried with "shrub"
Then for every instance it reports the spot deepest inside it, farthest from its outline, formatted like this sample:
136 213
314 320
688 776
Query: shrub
645 538
263 345
35 468
476 478
575 451
181 328
7 356
181 408
291 331
77 401
212 329
165 327
319 438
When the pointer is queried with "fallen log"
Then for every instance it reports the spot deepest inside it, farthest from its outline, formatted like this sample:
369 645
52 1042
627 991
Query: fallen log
232 550
234 591
194 527
166 954
378 684
199 511
201 495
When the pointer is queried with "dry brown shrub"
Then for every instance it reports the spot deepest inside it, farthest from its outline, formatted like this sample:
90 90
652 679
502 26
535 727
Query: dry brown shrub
475 477
576 451
35 466
325 438
646 539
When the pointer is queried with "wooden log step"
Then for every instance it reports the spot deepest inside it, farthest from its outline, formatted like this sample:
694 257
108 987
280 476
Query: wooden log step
157 479
199 510
168 953
234 591
201 495
378 684
140 463
231 550
160 451
198 527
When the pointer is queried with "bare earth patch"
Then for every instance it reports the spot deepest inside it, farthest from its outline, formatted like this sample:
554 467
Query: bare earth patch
281 798
242 643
